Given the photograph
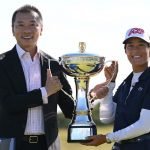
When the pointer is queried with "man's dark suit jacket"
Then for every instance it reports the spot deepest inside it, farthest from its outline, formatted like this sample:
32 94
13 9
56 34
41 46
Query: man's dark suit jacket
15 100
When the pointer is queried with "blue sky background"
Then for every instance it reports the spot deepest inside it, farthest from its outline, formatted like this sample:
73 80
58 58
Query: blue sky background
100 23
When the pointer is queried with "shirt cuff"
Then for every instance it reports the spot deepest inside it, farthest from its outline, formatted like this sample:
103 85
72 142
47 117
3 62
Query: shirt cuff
44 95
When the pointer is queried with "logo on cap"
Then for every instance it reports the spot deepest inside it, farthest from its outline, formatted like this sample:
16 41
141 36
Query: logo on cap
136 31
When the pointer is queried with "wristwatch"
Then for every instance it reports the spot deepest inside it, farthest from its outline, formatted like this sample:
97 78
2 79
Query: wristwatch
107 139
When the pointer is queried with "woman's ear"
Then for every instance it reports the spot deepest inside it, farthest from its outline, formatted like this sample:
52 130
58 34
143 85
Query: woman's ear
125 48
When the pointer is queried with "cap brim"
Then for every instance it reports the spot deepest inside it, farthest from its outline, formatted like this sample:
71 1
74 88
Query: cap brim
125 41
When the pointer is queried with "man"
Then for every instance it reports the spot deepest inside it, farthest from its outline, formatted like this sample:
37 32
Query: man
5 144
130 106
29 92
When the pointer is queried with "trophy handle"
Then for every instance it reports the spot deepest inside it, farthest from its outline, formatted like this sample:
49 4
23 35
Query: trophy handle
109 80
91 99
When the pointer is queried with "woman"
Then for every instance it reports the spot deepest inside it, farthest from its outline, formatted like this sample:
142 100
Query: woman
129 108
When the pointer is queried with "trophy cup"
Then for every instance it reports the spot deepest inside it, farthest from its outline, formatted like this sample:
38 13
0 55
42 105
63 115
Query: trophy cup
81 66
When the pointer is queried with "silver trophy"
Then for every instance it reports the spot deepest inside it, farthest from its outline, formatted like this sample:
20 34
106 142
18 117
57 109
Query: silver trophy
81 66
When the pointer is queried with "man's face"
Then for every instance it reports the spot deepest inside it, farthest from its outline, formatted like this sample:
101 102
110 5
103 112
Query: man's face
27 29
138 53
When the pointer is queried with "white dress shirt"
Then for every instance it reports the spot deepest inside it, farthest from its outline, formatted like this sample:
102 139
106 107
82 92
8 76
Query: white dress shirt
32 72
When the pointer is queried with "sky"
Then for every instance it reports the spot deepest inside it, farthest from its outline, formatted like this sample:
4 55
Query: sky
102 24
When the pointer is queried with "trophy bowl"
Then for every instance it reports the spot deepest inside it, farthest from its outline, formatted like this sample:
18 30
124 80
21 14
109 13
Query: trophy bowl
81 66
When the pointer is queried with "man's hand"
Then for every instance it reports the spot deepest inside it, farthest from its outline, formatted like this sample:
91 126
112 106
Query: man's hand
53 84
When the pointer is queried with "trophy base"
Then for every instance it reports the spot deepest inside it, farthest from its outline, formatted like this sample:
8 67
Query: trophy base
79 134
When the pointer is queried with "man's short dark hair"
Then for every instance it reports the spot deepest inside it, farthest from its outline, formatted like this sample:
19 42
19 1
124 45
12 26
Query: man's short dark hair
27 9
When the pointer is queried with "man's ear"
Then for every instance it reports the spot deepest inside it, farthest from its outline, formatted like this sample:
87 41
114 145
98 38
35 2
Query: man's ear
13 31
125 51
41 30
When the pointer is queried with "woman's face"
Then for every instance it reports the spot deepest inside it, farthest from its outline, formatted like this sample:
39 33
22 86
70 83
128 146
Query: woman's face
138 53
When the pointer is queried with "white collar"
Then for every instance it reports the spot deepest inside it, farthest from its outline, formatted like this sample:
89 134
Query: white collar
135 77
21 52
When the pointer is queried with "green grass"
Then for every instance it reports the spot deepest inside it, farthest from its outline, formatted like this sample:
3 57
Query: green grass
76 146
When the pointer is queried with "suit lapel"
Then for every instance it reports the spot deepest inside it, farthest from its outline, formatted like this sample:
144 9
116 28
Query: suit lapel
15 70
44 66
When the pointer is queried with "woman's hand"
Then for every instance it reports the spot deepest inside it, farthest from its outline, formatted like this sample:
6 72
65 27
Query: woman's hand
111 71
95 140
99 91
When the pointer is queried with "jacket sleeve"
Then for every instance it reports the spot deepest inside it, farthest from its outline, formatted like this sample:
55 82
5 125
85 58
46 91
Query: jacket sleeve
65 102
12 100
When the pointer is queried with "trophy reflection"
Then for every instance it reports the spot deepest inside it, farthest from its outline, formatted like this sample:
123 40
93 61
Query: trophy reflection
81 66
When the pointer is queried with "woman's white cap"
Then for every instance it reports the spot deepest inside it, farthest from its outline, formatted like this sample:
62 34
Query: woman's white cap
137 32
